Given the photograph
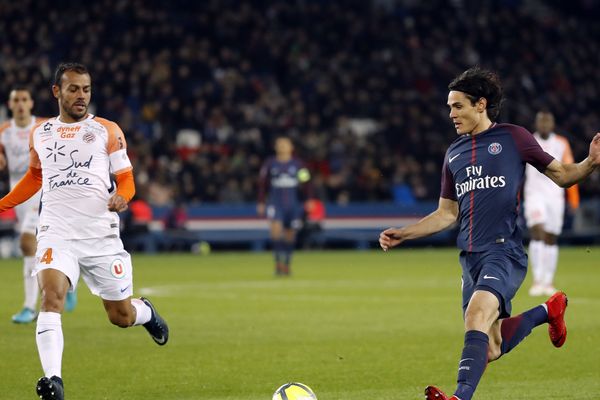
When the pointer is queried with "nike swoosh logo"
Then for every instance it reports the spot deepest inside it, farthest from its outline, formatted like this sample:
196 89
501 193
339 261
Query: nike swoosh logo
124 289
486 276
160 340
452 158
466 359
44 331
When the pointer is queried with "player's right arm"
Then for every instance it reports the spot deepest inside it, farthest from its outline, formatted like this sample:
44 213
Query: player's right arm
29 185
443 217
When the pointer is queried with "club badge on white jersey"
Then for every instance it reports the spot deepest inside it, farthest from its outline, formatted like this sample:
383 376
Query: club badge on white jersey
76 161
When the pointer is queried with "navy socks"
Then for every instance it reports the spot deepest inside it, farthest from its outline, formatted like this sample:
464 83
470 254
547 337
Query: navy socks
472 364
515 329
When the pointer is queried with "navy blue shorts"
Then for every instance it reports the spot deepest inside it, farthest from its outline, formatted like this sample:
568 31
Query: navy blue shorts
290 217
500 271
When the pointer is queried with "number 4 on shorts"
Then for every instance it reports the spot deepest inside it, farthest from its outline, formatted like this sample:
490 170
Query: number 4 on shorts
47 257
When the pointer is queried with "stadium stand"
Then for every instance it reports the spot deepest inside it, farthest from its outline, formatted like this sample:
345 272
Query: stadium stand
202 88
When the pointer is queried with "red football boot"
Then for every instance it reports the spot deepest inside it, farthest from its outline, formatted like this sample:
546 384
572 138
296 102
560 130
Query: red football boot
557 329
433 393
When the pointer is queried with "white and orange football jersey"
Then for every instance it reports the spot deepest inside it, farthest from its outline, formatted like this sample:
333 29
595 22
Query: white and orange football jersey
76 161
15 141
539 185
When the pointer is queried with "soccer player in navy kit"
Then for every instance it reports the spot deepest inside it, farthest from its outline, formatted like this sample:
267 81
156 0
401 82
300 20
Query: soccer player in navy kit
283 177
481 182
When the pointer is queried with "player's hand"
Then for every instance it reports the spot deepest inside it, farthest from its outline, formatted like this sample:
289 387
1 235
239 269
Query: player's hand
117 203
391 237
3 162
595 149
260 209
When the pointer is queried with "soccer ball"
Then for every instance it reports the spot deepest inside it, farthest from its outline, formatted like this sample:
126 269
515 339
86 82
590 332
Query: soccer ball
294 391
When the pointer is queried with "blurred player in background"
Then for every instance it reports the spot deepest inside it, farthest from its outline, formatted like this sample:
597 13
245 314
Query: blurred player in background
283 177
544 204
14 154
481 179
71 157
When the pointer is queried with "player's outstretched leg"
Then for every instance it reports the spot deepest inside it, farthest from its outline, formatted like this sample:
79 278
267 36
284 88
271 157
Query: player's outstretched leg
156 327
557 329
50 388
433 393
515 329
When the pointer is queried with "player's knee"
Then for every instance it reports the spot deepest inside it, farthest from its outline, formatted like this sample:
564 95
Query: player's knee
52 300
494 352
28 246
476 319
27 249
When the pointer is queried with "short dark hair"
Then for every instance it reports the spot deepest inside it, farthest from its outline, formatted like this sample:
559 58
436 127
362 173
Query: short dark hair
20 88
70 66
476 83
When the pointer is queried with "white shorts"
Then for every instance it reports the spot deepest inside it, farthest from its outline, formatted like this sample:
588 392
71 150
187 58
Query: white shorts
549 212
28 215
103 263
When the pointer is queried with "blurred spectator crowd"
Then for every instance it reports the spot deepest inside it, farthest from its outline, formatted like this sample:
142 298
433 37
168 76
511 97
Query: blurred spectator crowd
201 88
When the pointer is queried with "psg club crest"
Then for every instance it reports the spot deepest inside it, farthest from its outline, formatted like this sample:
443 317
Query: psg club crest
494 148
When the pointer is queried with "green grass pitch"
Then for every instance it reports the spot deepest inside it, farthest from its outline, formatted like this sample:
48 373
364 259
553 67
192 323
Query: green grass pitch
352 325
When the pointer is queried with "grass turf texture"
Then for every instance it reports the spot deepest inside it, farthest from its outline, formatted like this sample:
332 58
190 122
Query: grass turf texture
352 325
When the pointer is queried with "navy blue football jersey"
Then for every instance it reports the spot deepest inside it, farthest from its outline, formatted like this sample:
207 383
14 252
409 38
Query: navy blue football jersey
282 181
485 174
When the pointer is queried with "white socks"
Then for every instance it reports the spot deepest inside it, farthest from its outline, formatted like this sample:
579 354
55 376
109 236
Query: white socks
549 263
536 255
544 259
143 313
32 289
50 342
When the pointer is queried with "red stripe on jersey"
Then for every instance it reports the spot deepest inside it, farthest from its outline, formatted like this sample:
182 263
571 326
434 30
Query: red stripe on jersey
472 197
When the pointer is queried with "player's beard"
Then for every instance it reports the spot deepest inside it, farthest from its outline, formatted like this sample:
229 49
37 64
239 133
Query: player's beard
77 116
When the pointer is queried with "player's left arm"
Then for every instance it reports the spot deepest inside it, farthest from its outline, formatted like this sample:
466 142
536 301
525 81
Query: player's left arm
125 192
566 175
120 165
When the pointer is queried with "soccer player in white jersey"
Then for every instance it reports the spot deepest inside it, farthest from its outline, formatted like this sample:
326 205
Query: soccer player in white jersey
72 157
14 155
544 204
